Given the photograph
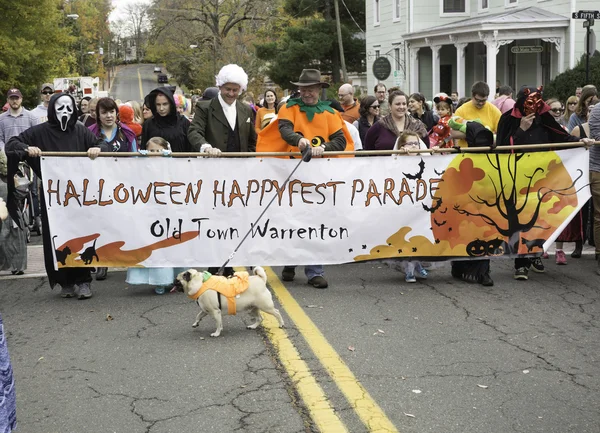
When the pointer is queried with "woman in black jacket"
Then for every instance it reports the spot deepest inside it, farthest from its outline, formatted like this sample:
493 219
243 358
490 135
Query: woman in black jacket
369 114
165 122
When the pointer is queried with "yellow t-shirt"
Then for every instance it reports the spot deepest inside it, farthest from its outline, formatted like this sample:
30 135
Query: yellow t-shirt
489 116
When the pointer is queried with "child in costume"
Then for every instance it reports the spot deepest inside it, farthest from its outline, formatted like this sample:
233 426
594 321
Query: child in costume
440 133
161 278
413 269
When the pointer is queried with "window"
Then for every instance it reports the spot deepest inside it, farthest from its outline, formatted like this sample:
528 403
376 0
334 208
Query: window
397 57
511 3
396 10
376 12
484 4
377 54
454 6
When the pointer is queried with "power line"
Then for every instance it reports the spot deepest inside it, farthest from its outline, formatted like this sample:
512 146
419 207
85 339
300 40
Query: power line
348 10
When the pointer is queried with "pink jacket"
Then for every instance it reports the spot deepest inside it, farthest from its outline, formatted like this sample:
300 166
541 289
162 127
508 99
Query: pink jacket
504 103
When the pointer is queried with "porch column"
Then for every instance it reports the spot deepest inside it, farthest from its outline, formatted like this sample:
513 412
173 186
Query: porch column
493 47
560 48
414 69
460 68
435 67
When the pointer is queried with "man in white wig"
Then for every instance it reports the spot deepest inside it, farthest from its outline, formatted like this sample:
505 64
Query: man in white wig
224 124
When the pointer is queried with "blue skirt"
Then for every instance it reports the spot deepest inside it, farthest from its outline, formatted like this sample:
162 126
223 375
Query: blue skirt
152 276
8 401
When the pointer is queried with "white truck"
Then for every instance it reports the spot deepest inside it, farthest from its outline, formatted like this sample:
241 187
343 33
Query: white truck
79 87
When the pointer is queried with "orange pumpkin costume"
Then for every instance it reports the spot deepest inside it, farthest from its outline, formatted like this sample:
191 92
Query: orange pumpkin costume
228 287
314 122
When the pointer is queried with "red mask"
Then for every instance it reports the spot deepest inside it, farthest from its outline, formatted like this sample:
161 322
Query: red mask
534 102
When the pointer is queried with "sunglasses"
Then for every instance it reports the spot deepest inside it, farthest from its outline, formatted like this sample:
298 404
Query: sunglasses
557 110
47 92
572 103
376 107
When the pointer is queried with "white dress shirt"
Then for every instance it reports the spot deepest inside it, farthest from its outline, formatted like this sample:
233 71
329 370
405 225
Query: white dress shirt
229 110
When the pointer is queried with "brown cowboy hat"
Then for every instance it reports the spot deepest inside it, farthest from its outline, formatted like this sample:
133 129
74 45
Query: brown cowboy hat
310 77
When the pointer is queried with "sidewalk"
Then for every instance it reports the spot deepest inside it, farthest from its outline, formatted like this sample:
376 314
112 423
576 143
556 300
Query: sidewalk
36 269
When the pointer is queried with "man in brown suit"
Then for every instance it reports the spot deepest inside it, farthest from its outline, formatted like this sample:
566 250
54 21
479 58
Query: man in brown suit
223 124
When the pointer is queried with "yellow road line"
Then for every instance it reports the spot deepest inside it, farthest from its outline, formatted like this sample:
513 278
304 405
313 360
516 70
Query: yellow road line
363 404
140 81
304 382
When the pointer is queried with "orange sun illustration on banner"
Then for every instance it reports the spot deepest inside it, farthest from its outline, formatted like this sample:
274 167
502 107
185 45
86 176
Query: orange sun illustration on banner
491 205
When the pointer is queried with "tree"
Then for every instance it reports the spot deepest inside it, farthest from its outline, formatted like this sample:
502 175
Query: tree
564 85
34 45
310 42
137 25
514 216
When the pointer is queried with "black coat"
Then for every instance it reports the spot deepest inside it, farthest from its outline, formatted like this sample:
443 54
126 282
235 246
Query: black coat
173 127
48 136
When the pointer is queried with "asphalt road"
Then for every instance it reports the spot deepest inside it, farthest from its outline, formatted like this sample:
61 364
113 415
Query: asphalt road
436 356
133 82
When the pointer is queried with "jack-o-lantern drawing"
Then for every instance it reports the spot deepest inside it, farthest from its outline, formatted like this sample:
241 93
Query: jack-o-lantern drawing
477 248
496 247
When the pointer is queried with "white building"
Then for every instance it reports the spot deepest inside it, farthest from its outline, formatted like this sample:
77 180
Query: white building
445 45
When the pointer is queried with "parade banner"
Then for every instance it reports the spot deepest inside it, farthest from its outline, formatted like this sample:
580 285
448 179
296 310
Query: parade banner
194 212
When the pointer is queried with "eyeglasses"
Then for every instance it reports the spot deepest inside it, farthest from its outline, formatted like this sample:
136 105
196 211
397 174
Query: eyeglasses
479 101
557 110
47 92
376 107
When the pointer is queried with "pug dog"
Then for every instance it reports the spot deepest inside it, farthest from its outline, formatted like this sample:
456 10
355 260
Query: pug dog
254 299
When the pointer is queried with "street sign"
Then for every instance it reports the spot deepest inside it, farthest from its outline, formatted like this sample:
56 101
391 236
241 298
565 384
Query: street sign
592 47
586 15
525 49
382 68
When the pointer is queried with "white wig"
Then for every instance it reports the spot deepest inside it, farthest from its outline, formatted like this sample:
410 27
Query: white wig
232 74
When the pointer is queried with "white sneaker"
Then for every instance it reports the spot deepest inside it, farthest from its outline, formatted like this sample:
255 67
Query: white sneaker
410 278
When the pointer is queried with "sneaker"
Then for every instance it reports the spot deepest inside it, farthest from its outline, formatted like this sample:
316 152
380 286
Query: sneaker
17 272
576 254
85 292
318 282
410 278
67 291
288 274
159 290
101 274
537 265
561 258
486 280
545 256
421 272
521 274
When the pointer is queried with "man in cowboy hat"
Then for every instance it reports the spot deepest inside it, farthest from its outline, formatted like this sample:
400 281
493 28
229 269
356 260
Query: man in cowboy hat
301 121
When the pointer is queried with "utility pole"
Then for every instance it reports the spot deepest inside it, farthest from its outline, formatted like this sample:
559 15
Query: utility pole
340 43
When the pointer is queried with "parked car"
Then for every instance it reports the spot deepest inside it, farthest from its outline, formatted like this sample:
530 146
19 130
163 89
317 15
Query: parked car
157 70
162 78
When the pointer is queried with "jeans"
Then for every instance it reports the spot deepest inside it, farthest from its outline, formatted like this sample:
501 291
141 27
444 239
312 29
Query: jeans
311 271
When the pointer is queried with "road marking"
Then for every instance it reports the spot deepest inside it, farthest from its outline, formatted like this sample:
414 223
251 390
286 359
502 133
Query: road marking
140 81
305 383
363 404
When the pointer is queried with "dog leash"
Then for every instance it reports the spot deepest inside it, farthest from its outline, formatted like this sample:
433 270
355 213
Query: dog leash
306 157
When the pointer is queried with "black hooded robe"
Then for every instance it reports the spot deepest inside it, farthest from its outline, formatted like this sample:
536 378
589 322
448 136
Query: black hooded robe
173 127
49 137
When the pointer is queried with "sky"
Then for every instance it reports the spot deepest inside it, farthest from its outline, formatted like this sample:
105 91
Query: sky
119 7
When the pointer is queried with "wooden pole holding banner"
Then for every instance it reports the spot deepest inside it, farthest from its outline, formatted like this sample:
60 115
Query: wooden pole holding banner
504 149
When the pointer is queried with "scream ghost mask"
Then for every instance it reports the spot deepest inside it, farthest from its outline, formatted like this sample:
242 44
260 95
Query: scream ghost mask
64 110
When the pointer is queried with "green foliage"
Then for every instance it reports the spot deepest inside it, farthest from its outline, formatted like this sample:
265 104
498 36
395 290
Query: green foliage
310 45
564 84
33 46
